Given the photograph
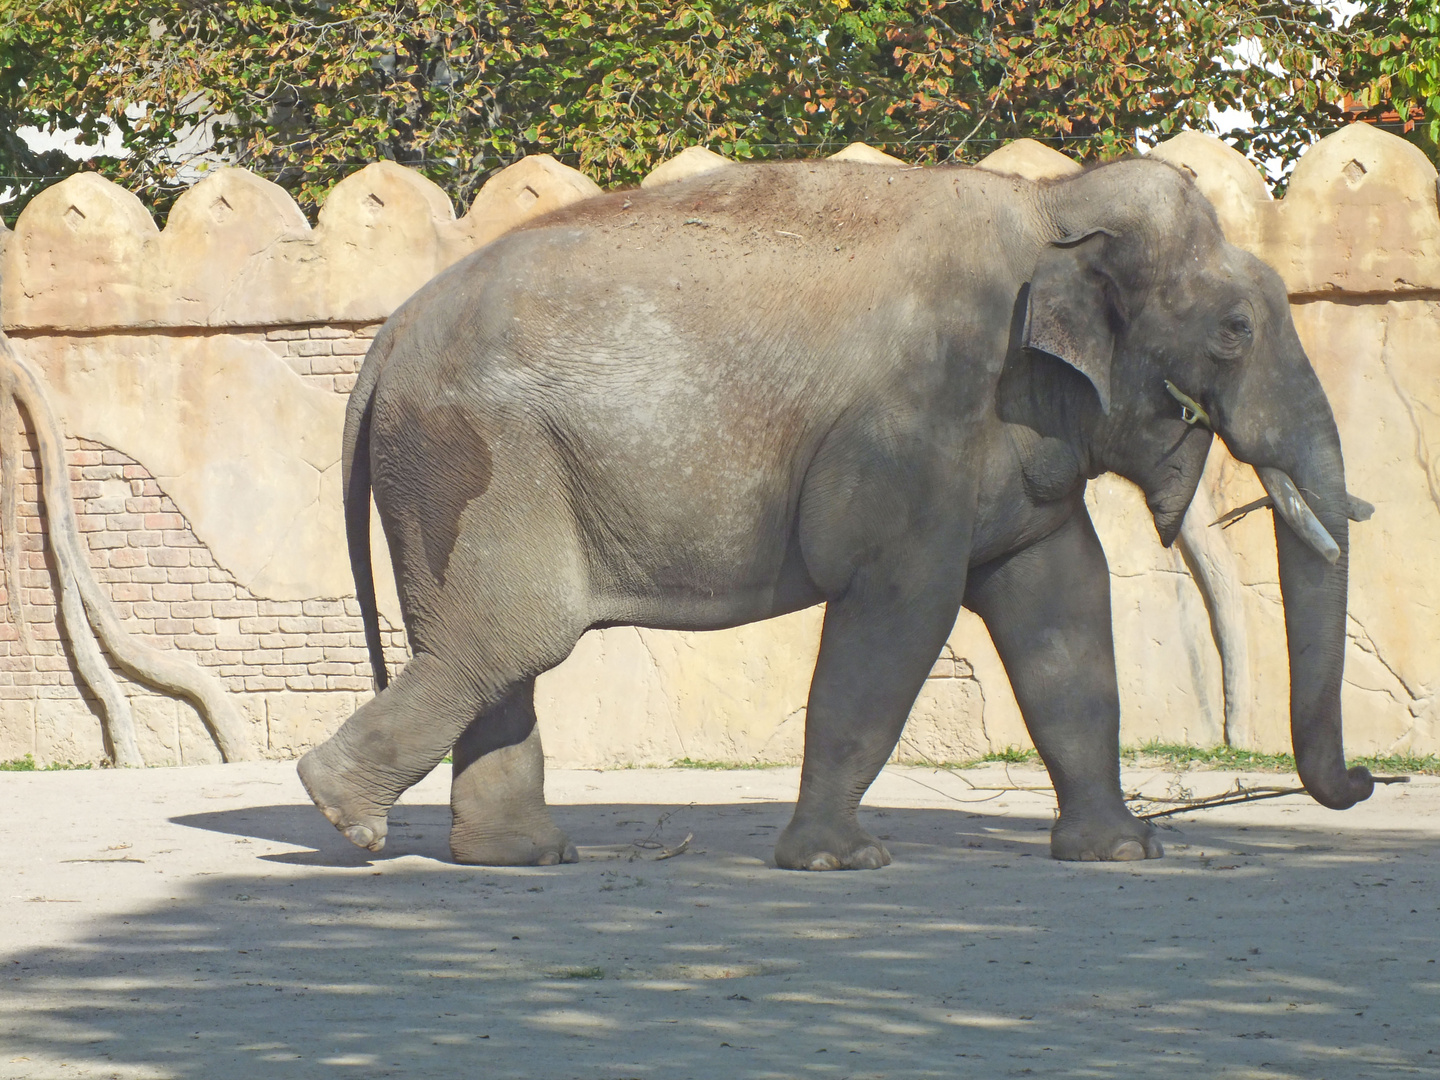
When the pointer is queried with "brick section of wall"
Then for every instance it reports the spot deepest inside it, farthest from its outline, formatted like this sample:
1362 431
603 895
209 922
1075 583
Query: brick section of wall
167 588
327 356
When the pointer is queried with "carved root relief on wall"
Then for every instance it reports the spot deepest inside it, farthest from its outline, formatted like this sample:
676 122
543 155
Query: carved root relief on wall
89 620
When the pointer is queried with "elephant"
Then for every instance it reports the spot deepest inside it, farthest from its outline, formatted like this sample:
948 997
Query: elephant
778 385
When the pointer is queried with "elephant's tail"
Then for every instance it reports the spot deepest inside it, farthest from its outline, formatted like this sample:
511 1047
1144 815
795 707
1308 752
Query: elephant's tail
355 478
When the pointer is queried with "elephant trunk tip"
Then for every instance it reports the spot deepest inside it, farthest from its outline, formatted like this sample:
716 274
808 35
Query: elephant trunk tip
1339 790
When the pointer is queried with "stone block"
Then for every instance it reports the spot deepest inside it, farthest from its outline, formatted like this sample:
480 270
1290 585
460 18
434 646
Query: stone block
75 259
299 624
692 161
67 729
17 728
1028 159
156 728
197 745
946 723
1234 187
533 186
866 155
126 557
297 721
1360 216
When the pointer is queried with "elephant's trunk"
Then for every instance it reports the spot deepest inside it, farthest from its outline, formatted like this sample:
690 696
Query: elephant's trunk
1313 582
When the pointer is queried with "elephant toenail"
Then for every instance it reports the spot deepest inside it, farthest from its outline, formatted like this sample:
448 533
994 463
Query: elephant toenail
1128 851
550 858
363 836
870 858
823 861
571 855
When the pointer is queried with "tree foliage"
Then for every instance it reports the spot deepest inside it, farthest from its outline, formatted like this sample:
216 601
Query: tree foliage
306 91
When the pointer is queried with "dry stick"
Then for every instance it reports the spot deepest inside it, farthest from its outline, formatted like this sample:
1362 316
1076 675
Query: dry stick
168 674
1240 794
1236 796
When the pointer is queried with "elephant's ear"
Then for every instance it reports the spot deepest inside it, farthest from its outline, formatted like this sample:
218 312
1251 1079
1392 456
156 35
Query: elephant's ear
1072 308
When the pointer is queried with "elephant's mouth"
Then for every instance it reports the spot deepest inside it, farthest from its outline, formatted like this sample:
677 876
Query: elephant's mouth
1282 493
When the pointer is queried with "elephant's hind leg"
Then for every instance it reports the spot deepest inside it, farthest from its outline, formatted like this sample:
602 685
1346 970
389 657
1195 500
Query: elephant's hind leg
511 602
389 744
497 796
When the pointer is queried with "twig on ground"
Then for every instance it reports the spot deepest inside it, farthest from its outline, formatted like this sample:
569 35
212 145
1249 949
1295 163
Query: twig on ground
1238 794
653 843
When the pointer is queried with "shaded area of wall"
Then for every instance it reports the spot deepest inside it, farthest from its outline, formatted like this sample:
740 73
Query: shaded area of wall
211 360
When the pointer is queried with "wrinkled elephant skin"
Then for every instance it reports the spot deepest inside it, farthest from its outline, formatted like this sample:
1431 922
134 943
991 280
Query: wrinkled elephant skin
773 386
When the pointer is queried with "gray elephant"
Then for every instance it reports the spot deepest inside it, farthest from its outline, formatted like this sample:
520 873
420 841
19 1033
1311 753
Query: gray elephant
774 386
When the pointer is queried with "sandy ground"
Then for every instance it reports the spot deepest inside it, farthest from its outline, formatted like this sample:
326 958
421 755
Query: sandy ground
208 923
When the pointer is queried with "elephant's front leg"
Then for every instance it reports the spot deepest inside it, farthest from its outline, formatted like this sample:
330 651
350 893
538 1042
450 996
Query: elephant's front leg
1048 611
879 643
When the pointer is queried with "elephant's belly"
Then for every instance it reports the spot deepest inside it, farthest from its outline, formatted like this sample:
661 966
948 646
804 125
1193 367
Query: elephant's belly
694 560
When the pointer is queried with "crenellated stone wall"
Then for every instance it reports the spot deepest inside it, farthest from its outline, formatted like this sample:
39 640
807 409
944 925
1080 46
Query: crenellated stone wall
200 374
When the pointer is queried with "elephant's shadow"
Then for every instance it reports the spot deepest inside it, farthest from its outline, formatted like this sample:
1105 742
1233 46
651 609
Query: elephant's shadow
607 831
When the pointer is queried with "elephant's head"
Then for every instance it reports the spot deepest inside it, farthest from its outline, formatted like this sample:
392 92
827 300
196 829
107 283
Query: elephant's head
1181 334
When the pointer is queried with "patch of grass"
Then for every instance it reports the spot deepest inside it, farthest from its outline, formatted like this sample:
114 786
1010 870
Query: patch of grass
27 764
1222 757
1011 755
1417 764
1214 757
691 763
1225 757
579 973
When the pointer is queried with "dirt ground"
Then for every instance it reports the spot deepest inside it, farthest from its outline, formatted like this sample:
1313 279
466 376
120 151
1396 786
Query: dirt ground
208 923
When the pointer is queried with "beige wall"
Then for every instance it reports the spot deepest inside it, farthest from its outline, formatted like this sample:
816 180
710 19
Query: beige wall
208 363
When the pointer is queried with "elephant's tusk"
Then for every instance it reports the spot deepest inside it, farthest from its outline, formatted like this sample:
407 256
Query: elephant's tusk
1358 510
1291 506
1191 411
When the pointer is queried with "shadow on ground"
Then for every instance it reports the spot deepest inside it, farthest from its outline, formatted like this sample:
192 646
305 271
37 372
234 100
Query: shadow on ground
1249 952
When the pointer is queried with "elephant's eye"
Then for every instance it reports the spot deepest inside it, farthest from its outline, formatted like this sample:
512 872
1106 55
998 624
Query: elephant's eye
1234 336
1237 326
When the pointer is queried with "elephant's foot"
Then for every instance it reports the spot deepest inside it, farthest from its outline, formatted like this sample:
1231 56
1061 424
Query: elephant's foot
362 820
498 815
546 846
1113 837
829 845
